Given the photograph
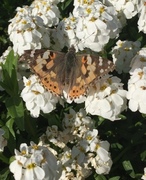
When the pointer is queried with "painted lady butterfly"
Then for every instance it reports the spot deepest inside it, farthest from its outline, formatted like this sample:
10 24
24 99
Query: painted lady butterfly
73 73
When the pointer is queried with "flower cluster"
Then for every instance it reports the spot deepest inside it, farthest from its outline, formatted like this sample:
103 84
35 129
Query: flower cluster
47 10
137 83
36 97
27 31
107 98
129 8
80 149
123 53
34 162
3 141
91 26
30 28
142 22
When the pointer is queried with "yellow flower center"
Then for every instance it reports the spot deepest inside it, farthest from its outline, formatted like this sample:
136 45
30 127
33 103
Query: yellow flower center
140 74
35 92
142 59
31 166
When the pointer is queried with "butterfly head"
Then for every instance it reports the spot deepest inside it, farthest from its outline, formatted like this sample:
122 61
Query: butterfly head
72 49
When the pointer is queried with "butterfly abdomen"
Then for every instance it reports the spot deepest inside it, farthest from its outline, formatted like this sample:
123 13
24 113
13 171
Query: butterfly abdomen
69 69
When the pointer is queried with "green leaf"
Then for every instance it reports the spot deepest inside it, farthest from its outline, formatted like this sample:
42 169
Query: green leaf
31 126
11 144
11 61
65 4
9 74
116 146
115 178
4 174
143 155
15 109
122 117
7 132
128 167
9 124
4 159
99 177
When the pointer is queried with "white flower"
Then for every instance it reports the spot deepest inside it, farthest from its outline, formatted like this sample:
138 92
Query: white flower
48 164
91 135
16 167
3 141
27 31
102 161
101 167
57 40
46 160
90 26
87 149
82 2
123 53
32 171
144 176
57 137
142 16
66 32
129 8
35 163
77 123
137 90
37 98
139 61
47 10
107 98
78 152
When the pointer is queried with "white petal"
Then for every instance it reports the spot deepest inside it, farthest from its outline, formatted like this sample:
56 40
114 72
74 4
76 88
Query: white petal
133 105
117 100
103 154
28 36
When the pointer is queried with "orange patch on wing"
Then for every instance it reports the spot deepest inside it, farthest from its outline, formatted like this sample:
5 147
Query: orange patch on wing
50 64
78 89
84 60
52 56
83 69
39 71
90 78
51 85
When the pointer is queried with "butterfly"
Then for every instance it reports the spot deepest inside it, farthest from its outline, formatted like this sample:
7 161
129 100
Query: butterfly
69 72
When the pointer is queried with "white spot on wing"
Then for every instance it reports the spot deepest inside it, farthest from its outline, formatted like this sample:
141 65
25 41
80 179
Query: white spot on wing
46 54
100 61
101 71
89 59
32 53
